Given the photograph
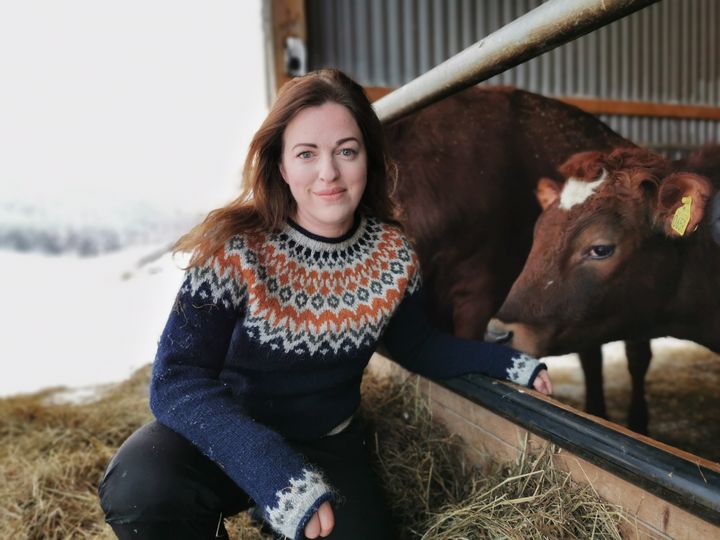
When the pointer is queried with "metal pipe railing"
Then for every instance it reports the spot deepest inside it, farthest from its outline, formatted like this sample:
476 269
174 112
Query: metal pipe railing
548 26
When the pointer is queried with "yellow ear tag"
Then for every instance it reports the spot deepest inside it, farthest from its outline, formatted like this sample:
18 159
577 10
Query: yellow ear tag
682 216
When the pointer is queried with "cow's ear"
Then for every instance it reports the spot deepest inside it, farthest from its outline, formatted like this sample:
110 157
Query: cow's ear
547 192
681 203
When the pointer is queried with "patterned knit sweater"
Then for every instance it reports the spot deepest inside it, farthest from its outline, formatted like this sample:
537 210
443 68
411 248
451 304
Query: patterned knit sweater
268 340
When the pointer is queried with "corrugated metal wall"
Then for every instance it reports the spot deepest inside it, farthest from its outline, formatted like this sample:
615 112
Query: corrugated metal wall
666 53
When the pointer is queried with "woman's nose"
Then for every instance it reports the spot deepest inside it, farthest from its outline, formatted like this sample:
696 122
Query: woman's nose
328 169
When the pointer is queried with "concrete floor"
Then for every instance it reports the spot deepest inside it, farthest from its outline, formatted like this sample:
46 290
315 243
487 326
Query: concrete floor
683 392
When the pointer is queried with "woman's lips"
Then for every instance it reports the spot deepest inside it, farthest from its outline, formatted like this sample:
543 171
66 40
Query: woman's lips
330 194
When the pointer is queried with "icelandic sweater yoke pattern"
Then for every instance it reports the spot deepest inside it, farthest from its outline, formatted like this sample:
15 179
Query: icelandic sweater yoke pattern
303 295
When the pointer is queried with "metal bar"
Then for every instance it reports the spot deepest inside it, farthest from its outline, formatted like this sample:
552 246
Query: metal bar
542 29
689 485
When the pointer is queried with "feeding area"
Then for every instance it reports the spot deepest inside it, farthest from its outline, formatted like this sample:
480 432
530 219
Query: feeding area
52 453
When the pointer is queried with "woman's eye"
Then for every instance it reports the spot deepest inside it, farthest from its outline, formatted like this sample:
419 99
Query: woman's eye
348 152
305 155
602 251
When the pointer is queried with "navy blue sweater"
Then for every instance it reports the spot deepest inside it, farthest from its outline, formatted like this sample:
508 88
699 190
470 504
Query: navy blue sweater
267 342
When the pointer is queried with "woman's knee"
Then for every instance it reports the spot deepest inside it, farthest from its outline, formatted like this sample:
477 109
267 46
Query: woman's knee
150 478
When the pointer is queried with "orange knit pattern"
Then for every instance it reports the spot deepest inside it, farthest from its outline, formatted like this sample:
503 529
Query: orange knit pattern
302 294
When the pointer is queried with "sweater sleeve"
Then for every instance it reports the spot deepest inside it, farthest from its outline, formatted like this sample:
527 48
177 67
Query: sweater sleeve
188 395
415 344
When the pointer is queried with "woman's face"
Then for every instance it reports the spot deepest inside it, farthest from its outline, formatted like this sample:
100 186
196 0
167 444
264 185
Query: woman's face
325 164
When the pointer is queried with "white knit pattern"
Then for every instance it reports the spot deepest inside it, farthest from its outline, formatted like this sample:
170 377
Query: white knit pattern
522 369
305 296
217 281
302 300
294 502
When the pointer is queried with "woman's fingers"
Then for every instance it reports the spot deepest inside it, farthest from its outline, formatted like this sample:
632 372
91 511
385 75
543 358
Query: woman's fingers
542 382
312 529
327 518
322 522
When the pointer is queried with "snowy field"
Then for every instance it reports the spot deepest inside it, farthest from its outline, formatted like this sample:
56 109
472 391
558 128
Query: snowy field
122 125
77 321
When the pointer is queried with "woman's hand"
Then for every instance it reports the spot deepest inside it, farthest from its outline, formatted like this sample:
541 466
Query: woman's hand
322 522
542 382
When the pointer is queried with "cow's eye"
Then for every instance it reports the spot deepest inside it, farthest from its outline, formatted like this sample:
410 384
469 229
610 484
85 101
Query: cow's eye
602 251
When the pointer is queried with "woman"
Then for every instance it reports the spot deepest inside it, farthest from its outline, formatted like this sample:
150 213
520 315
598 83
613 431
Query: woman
257 374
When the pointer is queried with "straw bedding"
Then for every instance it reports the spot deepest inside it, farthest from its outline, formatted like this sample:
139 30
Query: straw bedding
52 455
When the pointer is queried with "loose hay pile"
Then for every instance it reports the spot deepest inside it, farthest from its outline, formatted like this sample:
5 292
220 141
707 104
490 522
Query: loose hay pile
435 495
52 456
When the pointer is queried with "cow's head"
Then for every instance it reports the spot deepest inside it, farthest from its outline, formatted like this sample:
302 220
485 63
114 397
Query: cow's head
606 251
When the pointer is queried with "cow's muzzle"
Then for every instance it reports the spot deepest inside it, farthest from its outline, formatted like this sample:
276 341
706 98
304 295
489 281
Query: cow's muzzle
497 333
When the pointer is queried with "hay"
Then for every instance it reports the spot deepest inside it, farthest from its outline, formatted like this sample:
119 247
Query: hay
420 464
436 495
531 499
52 456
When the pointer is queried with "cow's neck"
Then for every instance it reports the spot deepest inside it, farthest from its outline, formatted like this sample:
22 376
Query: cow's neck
695 308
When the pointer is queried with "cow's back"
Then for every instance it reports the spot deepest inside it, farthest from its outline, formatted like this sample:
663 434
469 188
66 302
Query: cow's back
468 167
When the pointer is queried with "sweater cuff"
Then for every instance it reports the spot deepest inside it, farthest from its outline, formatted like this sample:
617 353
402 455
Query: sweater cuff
524 369
297 503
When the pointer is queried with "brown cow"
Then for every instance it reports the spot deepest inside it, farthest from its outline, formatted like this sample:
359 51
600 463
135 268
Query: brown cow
468 168
623 248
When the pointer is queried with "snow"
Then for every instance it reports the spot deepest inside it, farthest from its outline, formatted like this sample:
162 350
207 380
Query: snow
87 223
82 321
122 125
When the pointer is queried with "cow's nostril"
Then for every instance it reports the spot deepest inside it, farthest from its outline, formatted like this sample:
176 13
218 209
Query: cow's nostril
498 335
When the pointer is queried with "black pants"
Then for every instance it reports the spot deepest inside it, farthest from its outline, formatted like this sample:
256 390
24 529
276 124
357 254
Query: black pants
159 486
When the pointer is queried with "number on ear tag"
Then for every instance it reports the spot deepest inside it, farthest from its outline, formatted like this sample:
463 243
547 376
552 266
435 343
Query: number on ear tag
682 216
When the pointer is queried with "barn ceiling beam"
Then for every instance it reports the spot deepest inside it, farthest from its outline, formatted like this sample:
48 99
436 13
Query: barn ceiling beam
548 26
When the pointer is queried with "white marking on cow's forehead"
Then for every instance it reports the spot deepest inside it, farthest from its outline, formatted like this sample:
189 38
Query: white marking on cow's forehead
578 191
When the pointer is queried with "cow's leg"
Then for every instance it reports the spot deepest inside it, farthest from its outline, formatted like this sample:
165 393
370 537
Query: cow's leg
474 300
639 355
591 361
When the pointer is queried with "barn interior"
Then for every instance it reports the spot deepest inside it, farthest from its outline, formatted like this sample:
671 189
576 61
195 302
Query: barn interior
652 76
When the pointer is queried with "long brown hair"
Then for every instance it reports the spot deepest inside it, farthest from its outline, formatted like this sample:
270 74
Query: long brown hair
265 201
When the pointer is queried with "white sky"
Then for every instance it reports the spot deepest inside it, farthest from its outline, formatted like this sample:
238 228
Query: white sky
152 99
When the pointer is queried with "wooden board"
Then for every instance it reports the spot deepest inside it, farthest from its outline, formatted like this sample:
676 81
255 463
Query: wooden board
288 20
488 434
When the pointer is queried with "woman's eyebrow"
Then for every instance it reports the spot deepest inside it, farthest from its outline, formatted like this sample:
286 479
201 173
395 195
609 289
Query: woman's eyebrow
346 139
312 145
338 143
